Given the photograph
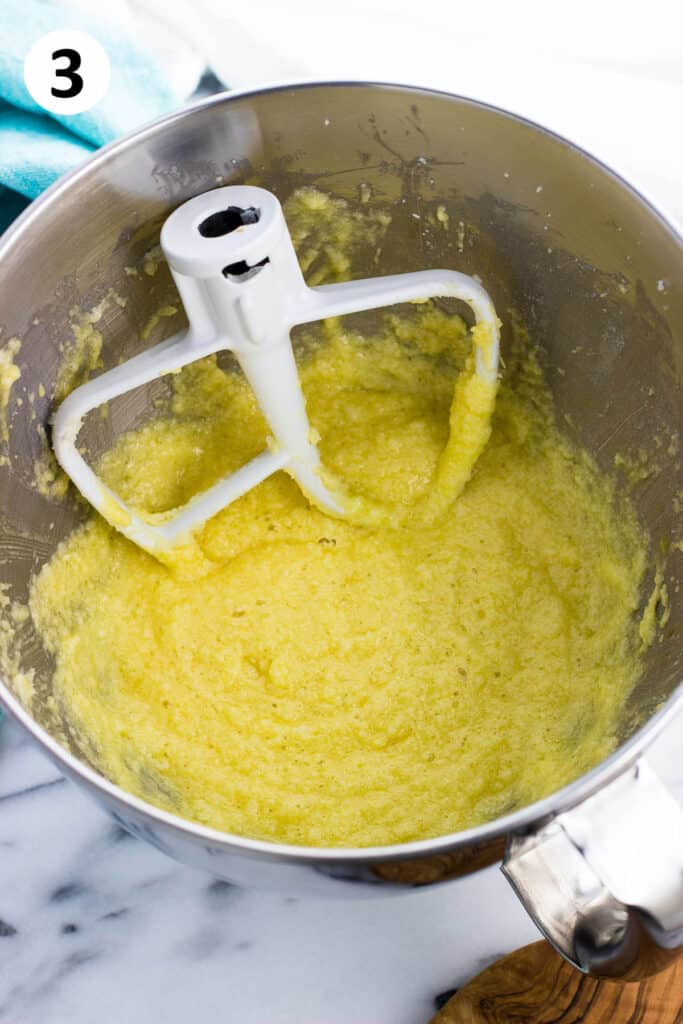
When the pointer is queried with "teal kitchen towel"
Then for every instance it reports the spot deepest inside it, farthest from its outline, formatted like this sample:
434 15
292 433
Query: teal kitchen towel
37 147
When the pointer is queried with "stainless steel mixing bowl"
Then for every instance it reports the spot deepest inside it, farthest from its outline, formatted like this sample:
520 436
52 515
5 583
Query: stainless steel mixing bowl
584 261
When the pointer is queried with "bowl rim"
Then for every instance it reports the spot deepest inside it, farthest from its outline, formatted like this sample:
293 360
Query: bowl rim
518 821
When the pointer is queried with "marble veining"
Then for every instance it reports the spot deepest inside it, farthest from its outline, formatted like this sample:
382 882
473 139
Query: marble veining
97 927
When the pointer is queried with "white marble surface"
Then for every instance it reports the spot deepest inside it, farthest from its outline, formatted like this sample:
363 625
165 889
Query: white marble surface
98 928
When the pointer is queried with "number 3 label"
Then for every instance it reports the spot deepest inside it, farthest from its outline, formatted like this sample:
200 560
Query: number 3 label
67 72
70 71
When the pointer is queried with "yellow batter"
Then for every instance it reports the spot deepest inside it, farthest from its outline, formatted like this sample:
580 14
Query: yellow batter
313 681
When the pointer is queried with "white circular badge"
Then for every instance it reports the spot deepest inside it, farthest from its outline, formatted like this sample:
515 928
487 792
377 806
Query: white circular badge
67 71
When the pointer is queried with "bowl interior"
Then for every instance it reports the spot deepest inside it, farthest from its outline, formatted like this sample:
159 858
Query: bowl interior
592 271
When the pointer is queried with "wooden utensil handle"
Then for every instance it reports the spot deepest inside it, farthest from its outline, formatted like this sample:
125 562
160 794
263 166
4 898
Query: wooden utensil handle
536 985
